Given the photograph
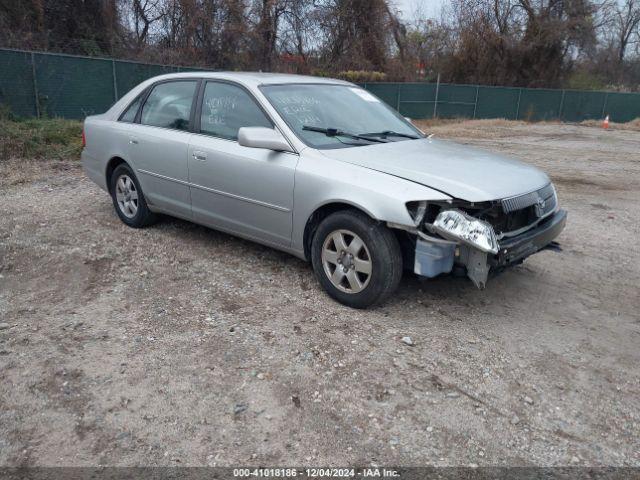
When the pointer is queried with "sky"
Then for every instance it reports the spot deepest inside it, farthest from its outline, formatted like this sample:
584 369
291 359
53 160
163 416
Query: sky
429 7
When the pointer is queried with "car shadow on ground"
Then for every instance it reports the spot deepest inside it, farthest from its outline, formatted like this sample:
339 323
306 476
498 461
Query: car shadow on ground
413 288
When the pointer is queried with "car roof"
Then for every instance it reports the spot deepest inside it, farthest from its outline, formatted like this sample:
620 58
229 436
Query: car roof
254 79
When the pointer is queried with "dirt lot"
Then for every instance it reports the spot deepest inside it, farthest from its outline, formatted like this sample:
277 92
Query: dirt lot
178 345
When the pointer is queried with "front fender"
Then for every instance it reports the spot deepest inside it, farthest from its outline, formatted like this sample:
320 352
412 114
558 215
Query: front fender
321 181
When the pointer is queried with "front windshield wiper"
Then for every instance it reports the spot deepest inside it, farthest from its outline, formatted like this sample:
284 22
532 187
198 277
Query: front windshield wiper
389 133
334 132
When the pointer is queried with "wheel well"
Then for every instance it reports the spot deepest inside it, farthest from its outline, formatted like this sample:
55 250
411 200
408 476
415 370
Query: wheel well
111 166
316 218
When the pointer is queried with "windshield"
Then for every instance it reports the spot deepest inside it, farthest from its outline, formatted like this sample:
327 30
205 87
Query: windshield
337 116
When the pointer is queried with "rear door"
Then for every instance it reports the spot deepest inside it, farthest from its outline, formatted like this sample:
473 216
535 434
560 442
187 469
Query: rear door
243 190
159 144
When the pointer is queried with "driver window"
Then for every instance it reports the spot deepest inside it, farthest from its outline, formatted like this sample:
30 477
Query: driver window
226 108
169 105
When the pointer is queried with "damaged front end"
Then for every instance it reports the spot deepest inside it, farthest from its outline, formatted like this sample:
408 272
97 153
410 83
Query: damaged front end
478 238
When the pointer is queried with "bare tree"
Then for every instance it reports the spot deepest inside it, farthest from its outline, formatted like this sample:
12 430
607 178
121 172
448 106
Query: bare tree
518 42
500 42
141 16
624 21
267 14
356 32
298 34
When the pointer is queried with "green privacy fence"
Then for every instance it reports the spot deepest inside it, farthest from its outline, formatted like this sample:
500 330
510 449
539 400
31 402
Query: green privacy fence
428 100
69 86
57 85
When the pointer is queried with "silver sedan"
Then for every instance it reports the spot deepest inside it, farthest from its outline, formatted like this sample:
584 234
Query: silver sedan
321 169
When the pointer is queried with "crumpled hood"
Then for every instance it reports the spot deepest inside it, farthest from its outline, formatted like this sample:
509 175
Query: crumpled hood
462 172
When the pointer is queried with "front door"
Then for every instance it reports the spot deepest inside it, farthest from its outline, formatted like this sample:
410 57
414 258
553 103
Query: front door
243 190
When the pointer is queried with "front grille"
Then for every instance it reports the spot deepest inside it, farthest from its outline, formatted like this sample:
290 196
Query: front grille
515 213
510 214
544 201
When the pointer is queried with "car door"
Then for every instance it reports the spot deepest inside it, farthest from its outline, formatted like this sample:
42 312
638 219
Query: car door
243 190
159 145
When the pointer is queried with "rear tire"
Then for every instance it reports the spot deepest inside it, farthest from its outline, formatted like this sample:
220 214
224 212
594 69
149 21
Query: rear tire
357 260
128 198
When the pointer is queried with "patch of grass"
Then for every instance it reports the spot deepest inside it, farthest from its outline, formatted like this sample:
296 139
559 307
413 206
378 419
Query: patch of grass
429 125
461 127
633 125
51 138
483 122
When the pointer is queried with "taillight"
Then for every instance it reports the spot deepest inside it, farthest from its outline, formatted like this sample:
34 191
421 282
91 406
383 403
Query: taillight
84 139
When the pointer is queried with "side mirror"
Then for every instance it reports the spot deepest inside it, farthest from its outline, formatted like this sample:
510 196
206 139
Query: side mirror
261 137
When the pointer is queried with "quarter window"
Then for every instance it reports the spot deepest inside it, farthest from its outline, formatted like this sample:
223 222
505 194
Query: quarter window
226 108
130 114
169 105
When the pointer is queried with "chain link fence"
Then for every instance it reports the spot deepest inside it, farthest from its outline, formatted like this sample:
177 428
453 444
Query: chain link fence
36 84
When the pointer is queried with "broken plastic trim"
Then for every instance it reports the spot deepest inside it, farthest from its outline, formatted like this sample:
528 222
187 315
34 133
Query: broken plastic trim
435 255
417 211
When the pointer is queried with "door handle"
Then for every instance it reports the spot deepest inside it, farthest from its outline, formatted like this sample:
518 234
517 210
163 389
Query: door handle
133 141
200 156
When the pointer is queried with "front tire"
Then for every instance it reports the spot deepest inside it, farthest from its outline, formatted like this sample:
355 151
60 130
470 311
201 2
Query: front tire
128 198
357 260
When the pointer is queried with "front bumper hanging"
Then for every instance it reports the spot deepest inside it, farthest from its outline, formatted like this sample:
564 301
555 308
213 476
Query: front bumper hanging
433 258
514 249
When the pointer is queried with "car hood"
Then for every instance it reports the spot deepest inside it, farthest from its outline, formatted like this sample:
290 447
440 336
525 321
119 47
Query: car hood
459 171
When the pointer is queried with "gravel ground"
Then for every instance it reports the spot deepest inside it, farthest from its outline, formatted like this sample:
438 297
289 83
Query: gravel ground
179 345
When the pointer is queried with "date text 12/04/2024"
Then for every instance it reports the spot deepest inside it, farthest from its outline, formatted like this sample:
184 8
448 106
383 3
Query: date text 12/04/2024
373 472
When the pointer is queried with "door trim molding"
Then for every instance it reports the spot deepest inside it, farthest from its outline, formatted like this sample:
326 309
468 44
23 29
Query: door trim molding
238 197
171 179
218 192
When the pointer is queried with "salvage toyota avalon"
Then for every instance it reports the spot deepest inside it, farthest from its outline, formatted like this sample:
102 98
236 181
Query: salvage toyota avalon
321 169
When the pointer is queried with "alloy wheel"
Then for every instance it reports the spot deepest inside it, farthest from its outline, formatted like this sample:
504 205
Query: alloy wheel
127 196
346 261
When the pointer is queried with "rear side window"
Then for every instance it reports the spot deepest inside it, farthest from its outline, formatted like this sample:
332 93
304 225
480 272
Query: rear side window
226 108
169 105
130 114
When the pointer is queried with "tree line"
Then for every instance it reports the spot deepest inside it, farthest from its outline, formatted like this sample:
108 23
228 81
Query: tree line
529 43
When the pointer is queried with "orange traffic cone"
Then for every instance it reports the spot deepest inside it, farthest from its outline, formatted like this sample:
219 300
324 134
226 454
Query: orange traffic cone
605 124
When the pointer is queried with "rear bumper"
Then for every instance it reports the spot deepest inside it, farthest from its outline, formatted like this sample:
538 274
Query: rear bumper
93 170
514 249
